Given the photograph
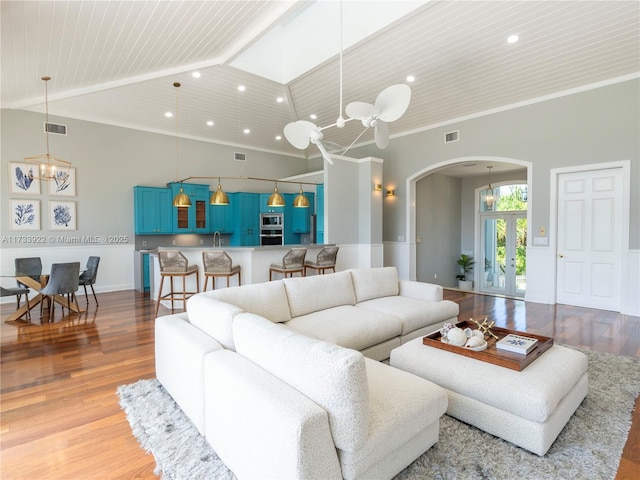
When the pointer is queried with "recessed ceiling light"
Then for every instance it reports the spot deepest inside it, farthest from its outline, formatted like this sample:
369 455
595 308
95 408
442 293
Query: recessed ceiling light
241 88
195 74
279 99
278 137
168 114
513 38
246 130
210 123
411 78
313 116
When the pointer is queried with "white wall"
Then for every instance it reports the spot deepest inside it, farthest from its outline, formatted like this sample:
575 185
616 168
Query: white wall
593 126
110 161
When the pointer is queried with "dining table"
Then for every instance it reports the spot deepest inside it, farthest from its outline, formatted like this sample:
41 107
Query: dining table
38 284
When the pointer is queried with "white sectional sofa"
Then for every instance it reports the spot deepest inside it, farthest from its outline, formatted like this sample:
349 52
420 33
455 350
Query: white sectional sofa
277 379
369 310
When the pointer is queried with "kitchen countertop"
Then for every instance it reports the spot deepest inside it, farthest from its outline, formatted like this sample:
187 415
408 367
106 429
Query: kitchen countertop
239 248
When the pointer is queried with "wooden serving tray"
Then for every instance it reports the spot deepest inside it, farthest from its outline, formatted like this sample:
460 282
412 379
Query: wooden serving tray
491 354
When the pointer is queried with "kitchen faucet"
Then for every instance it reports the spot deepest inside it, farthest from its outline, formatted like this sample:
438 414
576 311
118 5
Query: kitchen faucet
217 234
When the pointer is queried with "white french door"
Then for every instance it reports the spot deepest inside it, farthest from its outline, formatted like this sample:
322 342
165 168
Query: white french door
590 238
502 266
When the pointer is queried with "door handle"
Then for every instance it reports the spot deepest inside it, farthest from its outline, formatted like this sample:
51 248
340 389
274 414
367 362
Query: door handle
561 256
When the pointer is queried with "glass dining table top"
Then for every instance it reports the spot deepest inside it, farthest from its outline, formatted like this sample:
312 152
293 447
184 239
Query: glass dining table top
37 282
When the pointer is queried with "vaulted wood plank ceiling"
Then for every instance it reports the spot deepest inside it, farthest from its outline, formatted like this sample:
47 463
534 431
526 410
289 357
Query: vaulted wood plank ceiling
115 62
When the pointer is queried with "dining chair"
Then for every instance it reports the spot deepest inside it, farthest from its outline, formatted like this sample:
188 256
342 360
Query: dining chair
63 280
17 292
173 263
217 263
88 277
292 262
27 267
325 260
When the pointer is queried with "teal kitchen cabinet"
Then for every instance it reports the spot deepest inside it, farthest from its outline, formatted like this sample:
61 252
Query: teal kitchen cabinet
264 208
289 237
141 277
221 217
320 214
193 219
301 217
146 281
152 207
246 212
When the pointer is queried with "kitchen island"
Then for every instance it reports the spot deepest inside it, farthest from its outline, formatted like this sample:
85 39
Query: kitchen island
254 263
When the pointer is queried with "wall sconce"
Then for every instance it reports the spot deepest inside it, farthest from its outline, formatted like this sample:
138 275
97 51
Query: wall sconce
391 193
377 187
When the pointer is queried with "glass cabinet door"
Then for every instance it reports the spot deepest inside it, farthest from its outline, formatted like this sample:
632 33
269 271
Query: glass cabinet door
201 214
182 217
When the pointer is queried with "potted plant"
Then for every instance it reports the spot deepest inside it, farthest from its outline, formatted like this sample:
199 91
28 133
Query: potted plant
465 263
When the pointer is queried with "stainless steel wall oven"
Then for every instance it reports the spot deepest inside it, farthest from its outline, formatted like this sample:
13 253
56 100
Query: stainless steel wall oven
271 229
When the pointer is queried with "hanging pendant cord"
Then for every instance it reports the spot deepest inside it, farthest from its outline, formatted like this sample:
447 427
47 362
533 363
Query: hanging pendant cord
340 59
177 85
46 112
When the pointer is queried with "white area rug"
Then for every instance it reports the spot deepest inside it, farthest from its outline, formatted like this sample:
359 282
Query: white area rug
589 447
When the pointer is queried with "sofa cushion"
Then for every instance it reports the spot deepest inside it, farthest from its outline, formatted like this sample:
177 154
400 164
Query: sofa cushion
347 326
213 317
269 299
402 406
261 427
424 291
414 313
371 283
333 377
312 294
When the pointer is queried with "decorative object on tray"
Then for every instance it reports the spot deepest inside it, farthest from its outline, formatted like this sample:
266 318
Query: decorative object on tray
490 354
467 338
485 326
517 343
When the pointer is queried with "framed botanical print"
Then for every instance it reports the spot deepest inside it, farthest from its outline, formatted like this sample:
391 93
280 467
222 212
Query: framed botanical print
24 214
23 178
62 215
63 183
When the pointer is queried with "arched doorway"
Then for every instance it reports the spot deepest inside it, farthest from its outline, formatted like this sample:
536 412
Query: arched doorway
468 239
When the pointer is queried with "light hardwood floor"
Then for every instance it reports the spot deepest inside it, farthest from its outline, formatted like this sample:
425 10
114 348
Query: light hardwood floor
60 417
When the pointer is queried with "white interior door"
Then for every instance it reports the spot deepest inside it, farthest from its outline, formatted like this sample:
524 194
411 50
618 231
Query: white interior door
590 238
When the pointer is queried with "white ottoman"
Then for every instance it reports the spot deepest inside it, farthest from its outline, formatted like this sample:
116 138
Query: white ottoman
527 408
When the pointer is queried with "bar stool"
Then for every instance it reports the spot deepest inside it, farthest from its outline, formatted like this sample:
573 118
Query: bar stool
292 262
217 263
325 260
174 264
